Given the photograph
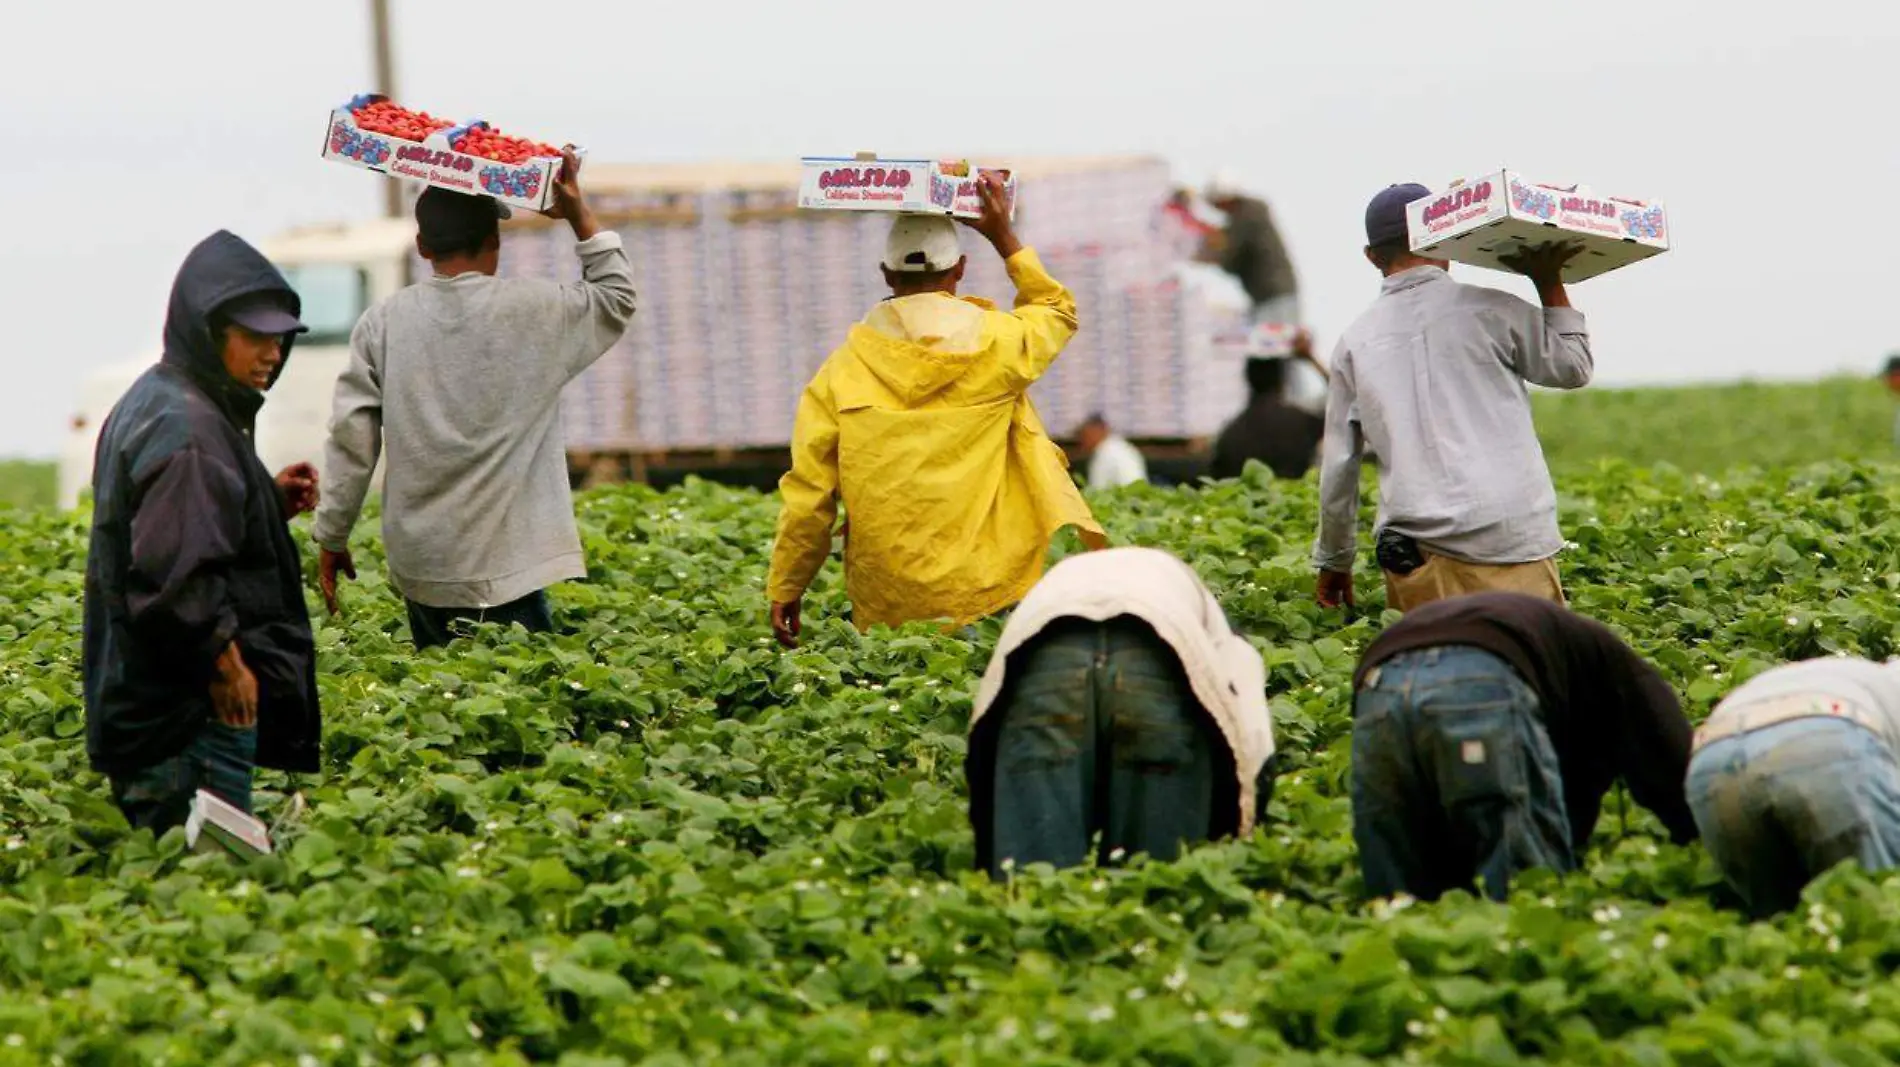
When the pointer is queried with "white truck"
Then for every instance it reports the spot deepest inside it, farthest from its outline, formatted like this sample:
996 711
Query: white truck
338 271
742 295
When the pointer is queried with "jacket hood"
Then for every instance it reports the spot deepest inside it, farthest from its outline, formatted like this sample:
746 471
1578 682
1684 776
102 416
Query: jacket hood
917 345
221 268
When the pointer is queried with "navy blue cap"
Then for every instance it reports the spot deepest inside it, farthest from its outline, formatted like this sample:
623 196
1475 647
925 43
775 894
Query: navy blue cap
1385 216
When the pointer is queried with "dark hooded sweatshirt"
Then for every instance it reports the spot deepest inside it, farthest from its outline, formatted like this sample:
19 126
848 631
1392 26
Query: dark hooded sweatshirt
190 547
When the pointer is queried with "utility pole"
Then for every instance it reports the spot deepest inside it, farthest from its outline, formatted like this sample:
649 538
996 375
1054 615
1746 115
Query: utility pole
386 84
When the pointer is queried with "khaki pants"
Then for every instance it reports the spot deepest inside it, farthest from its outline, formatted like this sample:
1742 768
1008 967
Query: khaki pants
1442 577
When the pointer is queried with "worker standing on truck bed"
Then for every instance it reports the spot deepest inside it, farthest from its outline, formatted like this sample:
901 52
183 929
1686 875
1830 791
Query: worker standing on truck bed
459 379
1250 249
921 424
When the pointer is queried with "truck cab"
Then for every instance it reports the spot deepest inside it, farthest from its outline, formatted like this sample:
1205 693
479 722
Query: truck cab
338 271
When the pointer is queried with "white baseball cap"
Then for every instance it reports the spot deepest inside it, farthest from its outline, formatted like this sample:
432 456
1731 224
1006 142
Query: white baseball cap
922 244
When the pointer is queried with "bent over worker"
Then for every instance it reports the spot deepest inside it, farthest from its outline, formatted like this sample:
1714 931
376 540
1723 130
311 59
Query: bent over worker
1431 383
1119 703
1487 729
1795 772
921 425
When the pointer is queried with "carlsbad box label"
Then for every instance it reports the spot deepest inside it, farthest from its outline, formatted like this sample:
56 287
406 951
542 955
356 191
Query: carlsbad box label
1585 212
1455 210
953 188
918 186
866 185
1484 221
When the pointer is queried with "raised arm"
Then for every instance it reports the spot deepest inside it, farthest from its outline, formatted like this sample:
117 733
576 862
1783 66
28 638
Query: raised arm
595 310
1044 307
1550 345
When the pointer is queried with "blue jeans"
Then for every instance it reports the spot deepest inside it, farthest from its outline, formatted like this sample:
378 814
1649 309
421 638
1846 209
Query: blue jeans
430 627
1101 734
219 759
1780 805
1453 776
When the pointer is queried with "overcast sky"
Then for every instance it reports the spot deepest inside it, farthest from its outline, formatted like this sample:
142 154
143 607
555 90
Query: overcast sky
1766 129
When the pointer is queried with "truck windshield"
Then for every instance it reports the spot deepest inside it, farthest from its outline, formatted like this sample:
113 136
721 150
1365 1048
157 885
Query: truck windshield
334 296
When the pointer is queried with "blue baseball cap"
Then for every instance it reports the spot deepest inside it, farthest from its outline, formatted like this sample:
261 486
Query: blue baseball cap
268 311
1385 216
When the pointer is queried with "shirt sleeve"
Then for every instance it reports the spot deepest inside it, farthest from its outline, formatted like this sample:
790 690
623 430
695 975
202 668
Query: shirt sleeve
1653 749
356 436
1342 452
186 533
808 497
1046 311
595 310
1550 346
1240 246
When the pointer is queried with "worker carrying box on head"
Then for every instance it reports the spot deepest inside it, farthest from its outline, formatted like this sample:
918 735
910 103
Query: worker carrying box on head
920 424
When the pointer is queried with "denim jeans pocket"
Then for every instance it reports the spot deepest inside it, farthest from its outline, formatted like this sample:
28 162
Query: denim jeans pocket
1152 722
1458 686
1478 754
1377 704
1044 724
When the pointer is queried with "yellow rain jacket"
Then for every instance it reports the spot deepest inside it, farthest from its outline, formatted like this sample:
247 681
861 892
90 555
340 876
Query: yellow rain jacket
922 424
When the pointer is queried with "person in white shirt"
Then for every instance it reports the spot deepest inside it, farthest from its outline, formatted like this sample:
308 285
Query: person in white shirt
1796 771
1113 461
1118 702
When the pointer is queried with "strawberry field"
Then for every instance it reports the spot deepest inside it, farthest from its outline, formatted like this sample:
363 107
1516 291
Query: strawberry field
657 839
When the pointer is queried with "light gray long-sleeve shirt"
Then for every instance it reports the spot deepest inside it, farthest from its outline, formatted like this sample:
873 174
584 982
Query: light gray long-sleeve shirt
459 380
1430 382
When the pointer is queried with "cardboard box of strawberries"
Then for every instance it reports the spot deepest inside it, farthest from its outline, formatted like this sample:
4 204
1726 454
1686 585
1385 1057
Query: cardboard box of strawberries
374 132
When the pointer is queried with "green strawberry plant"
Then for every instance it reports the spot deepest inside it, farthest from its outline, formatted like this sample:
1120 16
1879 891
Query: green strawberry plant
655 838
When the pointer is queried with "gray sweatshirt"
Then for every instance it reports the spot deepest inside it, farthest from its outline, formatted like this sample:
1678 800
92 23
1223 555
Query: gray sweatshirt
459 380
1430 383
